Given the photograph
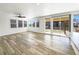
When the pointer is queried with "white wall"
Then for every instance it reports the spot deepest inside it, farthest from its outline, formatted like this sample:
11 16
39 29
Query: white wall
5 24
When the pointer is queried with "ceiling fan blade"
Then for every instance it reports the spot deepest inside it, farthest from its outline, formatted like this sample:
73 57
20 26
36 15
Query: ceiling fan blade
19 16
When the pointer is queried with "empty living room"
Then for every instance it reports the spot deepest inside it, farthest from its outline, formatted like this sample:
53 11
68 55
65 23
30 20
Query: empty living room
39 29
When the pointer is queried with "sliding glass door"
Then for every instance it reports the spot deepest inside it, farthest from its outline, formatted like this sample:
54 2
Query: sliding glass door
61 25
57 26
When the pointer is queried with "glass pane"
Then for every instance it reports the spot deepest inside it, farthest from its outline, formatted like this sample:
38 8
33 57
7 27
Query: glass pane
33 24
25 23
13 23
37 24
47 25
56 25
76 23
19 23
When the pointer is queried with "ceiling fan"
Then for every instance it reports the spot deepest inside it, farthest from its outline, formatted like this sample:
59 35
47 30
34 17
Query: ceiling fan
20 16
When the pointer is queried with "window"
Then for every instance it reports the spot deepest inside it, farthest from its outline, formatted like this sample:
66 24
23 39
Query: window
37 24
25 23
47 25
13 23
76 23
33 24
30 23
56 25
20 23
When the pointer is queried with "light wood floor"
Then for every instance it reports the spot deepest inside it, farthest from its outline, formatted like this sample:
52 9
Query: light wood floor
29 43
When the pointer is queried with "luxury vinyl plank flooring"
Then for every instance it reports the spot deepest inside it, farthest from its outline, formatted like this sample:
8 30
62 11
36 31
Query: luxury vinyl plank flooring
29 43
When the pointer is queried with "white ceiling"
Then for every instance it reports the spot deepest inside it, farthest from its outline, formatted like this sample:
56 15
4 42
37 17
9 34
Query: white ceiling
34 9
